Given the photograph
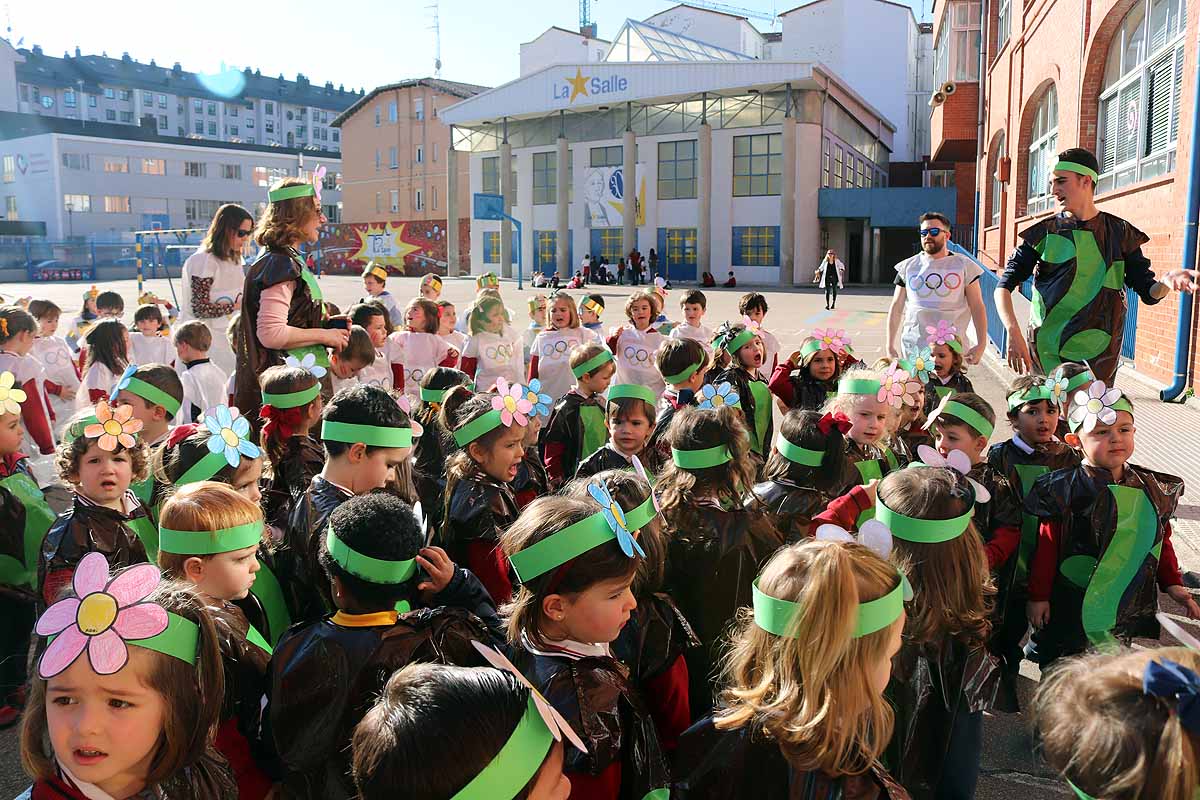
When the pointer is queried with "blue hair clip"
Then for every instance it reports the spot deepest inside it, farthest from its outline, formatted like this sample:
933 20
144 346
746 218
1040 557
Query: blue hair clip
1179 686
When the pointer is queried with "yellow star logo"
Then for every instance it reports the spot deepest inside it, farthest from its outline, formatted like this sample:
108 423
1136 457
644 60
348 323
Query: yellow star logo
578 85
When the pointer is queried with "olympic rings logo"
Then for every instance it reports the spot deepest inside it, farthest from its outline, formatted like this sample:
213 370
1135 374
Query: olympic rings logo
554 350
499 352
636 354
940 284
417 374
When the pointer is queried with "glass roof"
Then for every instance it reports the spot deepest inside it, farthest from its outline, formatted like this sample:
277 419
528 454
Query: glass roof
637 41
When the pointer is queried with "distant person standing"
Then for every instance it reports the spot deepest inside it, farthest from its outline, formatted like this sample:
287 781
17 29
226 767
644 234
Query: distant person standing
831 275
213 278
635 266
620 271
653 261
586 268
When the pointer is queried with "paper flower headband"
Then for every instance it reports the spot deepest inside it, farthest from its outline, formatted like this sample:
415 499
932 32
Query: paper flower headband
956 460
714 397
731 340
510 406
308 364
318 176
143 390
835 341
228 442
113 428
10 396
1099 404
894 389
921 365
943 333
541 403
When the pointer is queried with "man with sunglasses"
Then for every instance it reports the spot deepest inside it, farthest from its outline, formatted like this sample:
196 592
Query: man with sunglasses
1080 260
934 285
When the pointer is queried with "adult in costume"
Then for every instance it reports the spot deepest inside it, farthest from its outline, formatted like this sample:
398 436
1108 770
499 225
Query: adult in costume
213 277
1081 260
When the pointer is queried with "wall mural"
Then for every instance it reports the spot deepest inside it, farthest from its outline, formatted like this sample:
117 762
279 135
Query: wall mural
406 248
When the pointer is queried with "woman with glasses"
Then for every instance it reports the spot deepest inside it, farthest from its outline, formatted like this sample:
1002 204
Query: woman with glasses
213 278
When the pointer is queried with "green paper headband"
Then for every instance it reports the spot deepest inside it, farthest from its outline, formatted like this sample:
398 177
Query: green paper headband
439 395
631 391
955 345
1081 169
291 192
591 364
204 469
559 548
929 531
848 385
477 427
971 417
1076 381
683 376
777 616
797 454
1080 793
153 394
700 459
76 430
207 543
517 762
373 435
180 639
293 399
375 570
1031 395
737 343
812 347
640 517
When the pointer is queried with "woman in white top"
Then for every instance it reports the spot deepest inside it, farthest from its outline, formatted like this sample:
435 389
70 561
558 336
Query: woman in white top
213 278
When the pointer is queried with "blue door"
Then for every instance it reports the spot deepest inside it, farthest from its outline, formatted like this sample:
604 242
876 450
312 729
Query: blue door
677 253
607 242
544 245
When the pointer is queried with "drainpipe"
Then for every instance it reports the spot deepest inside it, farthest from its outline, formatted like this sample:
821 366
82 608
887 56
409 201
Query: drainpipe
1183 325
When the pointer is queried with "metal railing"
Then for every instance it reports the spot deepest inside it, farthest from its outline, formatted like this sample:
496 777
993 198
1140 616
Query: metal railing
988 282
43 260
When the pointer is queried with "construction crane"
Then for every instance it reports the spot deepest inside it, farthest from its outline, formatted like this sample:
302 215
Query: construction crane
751 13
587 26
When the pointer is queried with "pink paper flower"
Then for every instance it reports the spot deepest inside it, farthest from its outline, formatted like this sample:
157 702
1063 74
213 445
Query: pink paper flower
832 340
512 403
891 386
101 617
942 333
113 427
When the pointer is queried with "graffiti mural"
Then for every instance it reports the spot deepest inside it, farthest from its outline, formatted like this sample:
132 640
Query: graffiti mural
405 248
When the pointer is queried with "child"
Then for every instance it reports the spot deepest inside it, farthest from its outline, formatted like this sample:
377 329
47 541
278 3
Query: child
809 378
100 457
186 458
204 384
532 481
326 674
447 323
291 398
1119 724
576 427
155 393
54 354
803 472
109 305
231 334
944 677
551 354
17 336
209 538
629 416
107 356
399 745
683 364
431 287
693 304
417 349
537 322
800 719
430 450
373 318
589 313
1104 540
148 345
374 278
913 425
949 372
739 357
83 323
494 349
858 401
1068 378
24 519
142 728
635 345
753 308
716 545
346 365
576 563
488 447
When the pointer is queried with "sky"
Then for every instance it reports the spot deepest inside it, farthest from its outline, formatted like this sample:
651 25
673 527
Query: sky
359 43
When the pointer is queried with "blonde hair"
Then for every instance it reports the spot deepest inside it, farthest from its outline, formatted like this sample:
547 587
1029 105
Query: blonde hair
282 224
845 403
638 297
1109 738
571 306
203 506
811 692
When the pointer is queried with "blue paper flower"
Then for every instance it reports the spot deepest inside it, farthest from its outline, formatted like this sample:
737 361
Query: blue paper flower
717 396
308 363
123 383
922 365
615 518
229 431
541 402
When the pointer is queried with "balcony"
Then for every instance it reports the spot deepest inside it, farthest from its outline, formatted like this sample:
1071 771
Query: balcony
953 125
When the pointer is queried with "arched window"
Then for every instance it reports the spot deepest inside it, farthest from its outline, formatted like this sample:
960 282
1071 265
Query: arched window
997 186
1139 101
1043 144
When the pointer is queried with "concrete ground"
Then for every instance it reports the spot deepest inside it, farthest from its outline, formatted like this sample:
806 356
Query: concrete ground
1168 439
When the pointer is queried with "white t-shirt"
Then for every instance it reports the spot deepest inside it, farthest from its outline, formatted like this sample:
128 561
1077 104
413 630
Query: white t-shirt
58 367
497 356
395 312
97 376
553 351
228 282
771 348
418 352
378 374
635 354
203 387
154 349
935 289
24 369
458 342
697 333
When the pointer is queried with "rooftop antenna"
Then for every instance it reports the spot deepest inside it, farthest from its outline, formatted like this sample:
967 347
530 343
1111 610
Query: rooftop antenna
436 27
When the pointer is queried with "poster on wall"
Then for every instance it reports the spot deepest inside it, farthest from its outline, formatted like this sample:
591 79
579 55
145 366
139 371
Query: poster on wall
405 248
604 197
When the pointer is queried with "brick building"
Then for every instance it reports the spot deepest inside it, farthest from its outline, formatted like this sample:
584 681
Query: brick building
1115 76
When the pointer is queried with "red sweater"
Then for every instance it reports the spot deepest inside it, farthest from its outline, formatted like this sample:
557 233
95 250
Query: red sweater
1046 559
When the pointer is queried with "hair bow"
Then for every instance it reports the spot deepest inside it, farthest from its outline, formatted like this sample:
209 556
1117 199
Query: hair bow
1177 685
283 420
834 420
956 460
181 432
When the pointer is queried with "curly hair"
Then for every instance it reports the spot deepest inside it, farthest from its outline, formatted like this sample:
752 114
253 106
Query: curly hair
75 445
679 487
282 224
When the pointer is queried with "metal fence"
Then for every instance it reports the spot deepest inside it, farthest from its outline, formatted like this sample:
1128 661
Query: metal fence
43 260
997 333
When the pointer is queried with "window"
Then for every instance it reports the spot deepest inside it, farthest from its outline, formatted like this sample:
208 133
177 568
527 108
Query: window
418 200
1003 23
491 247
433 196
10 169
198 106
162 101
154 166
232 110
862 174
250 122
91 101
77 203
420 157
195 169
837 166
270 126
231 172
1043 144
212 109
148 98
116 164
378 160
269 108
965 30
677 170
491 175
825 163
607 156
435 144
125 94
109 93
212 129
335 136
756 246
200 210
997 186
1139 101
395 201
69 98
392 112
110 114
379 202
10 207
392 162
116 204
266 176
233 130
545 178
127 116
757 164
419 109
200 126
378 115
76 161
162 122
290 116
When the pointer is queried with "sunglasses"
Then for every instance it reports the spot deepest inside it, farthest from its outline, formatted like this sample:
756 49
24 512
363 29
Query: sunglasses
243 234
930 232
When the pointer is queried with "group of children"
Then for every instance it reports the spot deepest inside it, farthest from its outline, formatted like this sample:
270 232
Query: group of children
599 570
